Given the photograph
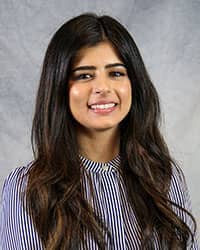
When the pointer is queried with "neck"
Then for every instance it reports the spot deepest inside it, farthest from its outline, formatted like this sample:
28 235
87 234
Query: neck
99 146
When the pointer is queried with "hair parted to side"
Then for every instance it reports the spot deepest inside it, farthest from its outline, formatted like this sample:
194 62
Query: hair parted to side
54 192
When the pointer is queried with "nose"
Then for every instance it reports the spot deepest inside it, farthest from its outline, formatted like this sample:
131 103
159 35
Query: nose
101 84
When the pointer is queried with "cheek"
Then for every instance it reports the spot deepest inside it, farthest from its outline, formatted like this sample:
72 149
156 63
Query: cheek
74 93
76 96
125 93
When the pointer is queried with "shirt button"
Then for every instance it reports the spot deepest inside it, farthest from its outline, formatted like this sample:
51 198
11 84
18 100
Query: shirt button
105 167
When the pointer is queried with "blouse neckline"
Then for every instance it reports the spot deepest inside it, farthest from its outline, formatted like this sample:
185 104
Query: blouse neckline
101 167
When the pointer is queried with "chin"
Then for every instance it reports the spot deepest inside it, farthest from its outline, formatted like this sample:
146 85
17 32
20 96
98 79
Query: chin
104 127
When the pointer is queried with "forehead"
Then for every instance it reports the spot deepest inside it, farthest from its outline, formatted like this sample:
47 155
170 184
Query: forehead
102 53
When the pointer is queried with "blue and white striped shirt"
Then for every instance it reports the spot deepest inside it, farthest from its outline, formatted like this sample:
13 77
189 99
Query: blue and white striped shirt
109 201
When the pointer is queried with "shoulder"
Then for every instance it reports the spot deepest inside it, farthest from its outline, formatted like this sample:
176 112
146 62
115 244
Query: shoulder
178 192
181 202
14 189
16 181
178 189
180 197
18 173
16 227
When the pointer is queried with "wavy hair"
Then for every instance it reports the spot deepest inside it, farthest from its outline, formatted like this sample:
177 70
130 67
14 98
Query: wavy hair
54 191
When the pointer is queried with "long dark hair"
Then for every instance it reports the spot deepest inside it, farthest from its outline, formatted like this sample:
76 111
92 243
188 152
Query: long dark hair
54 192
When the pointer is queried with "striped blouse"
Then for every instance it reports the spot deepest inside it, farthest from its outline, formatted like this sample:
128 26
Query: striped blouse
109 201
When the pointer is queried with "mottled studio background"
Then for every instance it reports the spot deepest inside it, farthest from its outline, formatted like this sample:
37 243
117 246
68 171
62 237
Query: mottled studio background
168 35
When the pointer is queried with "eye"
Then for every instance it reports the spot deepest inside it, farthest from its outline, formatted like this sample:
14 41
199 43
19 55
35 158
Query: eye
82 76
116 74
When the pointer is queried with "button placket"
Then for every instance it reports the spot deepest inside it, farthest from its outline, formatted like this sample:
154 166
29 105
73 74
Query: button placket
105 167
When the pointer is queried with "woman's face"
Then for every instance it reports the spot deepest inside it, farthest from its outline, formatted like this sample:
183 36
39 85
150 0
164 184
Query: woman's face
99 88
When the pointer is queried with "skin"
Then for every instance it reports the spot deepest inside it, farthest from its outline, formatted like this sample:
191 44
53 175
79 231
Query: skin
99 76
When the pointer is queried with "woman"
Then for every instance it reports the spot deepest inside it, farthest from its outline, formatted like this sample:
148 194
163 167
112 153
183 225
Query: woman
102 177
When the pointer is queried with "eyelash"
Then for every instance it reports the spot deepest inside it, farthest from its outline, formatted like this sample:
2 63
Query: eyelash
87 76
83 76
116 74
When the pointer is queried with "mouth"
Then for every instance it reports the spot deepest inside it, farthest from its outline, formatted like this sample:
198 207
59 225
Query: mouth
102 106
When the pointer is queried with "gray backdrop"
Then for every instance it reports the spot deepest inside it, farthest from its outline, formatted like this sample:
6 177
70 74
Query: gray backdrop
167 34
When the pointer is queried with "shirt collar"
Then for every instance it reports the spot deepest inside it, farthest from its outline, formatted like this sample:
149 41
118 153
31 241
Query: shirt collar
101 167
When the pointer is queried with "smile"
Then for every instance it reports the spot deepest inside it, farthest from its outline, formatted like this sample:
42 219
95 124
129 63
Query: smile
103 109
103 106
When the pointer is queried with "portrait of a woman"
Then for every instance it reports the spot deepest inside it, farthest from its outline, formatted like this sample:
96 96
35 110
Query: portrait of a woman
102 176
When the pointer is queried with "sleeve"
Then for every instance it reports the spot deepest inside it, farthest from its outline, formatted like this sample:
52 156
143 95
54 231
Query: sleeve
16 228
179 194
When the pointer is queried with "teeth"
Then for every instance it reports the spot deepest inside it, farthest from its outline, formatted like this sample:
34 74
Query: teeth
102 106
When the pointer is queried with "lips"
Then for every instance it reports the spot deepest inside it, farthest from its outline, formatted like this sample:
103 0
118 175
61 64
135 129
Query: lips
102 106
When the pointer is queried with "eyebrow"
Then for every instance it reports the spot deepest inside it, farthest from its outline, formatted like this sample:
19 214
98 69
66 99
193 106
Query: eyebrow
94 68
